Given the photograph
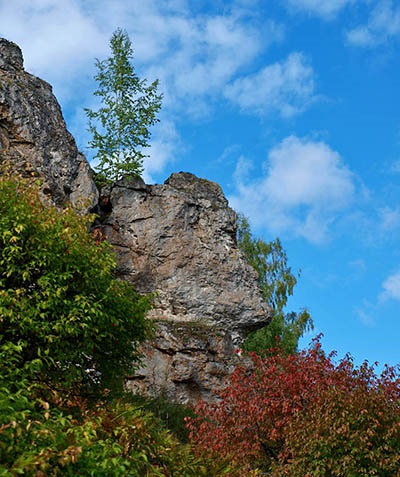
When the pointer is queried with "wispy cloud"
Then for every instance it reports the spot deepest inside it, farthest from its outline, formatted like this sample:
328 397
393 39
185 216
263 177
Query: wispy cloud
285 87
166 141
326 9
391 288
304 186
57 37
388 219
367 313
195 54
383 24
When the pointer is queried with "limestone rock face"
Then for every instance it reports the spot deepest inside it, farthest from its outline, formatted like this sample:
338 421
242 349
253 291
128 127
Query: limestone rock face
179 240
33 135
185 362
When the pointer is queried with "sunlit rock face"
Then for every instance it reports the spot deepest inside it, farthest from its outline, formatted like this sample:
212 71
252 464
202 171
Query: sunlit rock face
33 134
179 240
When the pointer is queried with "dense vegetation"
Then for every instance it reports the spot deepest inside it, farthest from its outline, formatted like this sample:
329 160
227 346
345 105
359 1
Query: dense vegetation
277 283
305 415
69 333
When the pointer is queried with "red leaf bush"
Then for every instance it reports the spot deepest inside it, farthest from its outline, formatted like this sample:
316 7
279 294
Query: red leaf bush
304 414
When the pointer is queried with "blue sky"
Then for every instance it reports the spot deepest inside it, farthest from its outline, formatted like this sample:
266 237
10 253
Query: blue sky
292 106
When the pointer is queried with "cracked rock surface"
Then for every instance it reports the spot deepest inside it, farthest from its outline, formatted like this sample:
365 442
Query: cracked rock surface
33 134
179 240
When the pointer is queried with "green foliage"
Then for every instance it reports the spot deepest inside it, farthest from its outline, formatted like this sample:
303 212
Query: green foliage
172 414
284 332
64 318
52 438
305 415
120 127
276 282
69 333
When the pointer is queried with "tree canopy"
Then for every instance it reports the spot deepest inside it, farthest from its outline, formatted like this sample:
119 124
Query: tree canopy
277 283
305 415
120 128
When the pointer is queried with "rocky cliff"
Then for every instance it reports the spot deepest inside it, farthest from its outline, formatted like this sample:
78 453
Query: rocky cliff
33 135
179 241
175 240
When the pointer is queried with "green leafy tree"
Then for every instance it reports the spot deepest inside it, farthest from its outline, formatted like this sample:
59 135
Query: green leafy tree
64 318
277 282
69 334
120 127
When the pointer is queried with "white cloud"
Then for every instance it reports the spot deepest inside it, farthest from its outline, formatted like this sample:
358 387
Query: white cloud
391 288
389 219
322 8
304 187
383 24
194 53
166 141
285 87
57 37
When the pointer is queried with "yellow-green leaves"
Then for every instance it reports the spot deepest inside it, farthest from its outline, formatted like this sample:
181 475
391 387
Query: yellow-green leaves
58 295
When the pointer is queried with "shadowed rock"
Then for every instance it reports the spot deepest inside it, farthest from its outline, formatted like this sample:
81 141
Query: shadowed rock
33 134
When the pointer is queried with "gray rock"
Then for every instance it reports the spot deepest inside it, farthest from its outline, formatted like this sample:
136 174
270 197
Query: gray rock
33 134
185 362
179 241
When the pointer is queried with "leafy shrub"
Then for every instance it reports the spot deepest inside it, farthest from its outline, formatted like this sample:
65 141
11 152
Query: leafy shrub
172 414
304 415
42 438
69 333
65 320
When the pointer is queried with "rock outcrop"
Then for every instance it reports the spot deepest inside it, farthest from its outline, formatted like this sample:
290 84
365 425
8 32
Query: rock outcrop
175 240
185 362
33 135
179 240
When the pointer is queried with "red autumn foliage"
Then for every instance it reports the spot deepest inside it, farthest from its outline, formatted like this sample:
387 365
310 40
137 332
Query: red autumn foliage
303 414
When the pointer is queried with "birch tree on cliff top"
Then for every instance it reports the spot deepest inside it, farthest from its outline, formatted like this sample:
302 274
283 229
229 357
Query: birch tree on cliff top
120 127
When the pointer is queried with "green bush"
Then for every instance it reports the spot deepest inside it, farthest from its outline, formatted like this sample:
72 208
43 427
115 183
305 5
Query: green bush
69 334
173 415
65 319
